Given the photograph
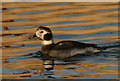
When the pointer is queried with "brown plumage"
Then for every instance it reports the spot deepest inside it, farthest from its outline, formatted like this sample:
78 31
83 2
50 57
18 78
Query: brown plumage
64 48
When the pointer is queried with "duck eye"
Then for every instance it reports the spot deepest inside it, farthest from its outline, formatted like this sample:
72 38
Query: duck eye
41 31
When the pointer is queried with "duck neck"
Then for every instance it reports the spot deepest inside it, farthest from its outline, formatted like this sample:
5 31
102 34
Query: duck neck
47 42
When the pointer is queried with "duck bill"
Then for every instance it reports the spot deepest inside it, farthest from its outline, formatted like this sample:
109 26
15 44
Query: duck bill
34 37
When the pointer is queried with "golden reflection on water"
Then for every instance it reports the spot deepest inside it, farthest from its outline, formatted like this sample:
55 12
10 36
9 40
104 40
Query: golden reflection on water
35 66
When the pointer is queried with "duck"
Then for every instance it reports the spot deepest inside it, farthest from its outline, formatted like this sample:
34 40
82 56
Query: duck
62 49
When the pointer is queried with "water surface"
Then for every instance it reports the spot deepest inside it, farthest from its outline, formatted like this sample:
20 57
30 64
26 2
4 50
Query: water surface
96 24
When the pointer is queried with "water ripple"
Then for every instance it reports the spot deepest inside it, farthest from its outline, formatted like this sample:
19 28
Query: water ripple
31 12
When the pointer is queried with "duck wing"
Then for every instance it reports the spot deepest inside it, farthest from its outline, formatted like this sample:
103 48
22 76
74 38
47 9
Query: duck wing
71 48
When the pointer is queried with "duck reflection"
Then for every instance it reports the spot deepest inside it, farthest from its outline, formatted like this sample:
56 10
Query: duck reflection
48 64
46 71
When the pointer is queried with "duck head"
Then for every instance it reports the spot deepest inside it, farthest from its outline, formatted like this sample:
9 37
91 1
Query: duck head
44 34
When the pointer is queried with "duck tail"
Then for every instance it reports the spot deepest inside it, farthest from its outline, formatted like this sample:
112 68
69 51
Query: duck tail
107 48
102 49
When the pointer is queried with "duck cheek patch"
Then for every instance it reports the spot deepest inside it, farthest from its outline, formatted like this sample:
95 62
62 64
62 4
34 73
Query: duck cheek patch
47 36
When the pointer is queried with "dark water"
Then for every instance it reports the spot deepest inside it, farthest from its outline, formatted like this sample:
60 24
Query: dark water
22 58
